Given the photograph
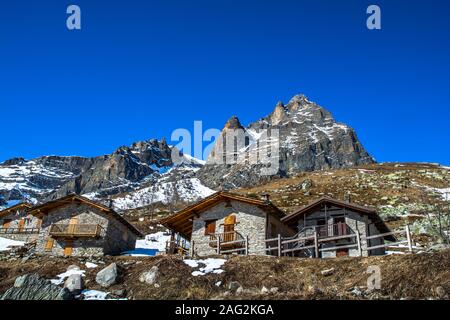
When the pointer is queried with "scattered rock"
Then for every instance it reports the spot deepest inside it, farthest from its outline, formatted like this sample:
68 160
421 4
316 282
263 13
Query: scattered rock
149 277
74 283
33 287
234 285
327 272
306 184
121 293
440 292
107 276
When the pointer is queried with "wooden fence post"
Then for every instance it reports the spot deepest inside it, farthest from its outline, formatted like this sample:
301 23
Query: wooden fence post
358 242
316 243
246 245
218 244
408 237
279 245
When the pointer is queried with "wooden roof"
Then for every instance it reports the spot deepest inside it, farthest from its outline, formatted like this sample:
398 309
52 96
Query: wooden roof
369 211
182 221
22 205
45 208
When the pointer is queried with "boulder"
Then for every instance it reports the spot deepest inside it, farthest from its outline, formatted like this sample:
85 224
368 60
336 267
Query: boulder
327 272
234 285
33 287
74 283
149 277
264 290
306 184
107 276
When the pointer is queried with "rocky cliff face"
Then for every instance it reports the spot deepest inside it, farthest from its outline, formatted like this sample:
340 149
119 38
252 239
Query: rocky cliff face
127 170
301 136
306 136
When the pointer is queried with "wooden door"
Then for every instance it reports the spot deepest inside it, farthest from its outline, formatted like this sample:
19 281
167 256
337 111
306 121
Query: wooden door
21 224
72 225
228 228
68 248
6 223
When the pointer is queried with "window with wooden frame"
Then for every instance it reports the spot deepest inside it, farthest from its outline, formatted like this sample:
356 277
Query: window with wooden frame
49 244
210 227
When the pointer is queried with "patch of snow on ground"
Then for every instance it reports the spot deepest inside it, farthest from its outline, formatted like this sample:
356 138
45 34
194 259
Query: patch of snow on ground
154 241
63 276
210 265
91 265
94 295
5 244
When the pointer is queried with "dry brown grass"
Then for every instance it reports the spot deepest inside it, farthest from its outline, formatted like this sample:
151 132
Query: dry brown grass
403 276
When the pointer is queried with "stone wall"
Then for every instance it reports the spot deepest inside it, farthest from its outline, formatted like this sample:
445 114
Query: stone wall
118 238
251 222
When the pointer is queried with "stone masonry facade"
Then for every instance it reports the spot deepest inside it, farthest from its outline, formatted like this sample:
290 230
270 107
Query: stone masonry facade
251 222
114 236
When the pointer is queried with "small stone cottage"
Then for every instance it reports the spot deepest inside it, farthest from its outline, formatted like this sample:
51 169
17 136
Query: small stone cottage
16 223
77 226
333 219
227 223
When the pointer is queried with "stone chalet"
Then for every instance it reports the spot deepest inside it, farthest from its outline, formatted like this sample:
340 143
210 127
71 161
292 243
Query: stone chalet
70 226
229 223
226 222
335 222
17 223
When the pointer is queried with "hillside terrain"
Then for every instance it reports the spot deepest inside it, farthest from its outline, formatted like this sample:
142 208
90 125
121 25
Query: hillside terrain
418 276
403 193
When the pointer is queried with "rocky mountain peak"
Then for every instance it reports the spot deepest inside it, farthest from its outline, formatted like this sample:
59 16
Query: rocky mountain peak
309 139
233 123
279 114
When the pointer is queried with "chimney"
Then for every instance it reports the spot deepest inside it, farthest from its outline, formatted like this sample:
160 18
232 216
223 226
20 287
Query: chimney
266 197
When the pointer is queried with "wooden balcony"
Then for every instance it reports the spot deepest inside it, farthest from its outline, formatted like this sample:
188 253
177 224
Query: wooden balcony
227 240
75 230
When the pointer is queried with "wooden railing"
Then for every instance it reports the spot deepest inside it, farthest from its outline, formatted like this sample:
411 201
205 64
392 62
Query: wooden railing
305 242
229 242
75 230
19 230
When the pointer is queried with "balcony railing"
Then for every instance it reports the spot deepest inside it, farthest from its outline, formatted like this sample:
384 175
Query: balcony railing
75 230
333 230
19 230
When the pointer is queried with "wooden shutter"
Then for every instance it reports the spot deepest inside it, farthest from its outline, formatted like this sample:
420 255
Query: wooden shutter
210 227
6 223
49 244
21 224
68 248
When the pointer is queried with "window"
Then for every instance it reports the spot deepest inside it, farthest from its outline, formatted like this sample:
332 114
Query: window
210 227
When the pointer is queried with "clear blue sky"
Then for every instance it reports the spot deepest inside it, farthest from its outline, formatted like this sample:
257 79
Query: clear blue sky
139 69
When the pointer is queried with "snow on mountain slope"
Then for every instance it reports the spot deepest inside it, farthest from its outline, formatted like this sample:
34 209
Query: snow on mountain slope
185 190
